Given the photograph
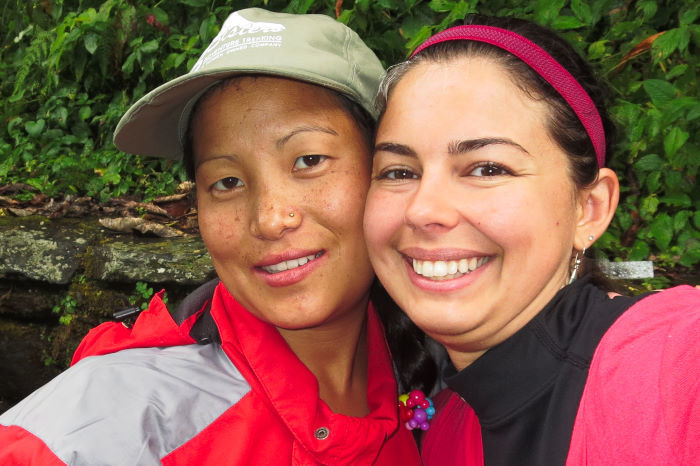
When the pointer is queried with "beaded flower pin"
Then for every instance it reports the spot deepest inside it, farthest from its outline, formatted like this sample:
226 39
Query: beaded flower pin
416 410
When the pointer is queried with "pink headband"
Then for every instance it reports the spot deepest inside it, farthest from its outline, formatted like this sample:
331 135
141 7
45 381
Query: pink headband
543 63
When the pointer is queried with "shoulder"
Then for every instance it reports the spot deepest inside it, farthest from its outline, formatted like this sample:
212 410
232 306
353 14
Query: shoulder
151 399
641 391
659 328
454 436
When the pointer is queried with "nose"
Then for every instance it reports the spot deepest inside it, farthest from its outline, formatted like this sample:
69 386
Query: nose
432 206
272 214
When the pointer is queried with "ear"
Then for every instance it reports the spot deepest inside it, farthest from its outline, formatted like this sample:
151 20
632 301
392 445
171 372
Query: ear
596 207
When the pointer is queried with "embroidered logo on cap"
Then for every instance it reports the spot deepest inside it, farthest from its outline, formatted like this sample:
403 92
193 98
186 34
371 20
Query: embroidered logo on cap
238 33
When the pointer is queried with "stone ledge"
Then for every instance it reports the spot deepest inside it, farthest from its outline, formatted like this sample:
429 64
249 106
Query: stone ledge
52 251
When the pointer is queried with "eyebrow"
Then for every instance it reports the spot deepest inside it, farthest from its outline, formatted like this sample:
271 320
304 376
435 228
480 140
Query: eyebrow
211 159
280 142
304 129
453 148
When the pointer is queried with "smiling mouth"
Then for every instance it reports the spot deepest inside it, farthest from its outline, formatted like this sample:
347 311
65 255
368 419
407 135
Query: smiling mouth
291 264
448 270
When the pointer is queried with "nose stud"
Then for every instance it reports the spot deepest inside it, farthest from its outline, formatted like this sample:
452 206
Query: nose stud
291 214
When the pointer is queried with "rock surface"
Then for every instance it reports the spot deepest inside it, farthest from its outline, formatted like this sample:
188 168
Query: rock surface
43 250
59 278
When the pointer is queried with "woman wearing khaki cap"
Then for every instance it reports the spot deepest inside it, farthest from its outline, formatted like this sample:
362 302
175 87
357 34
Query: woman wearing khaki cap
275 123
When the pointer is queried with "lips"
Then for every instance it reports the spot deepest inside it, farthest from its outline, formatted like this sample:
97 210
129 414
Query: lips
288 268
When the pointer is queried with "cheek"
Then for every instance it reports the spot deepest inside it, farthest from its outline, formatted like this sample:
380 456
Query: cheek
383 217
342 201
526 217
219 226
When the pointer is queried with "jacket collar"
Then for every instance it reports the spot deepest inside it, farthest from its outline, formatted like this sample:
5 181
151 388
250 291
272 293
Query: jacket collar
269 365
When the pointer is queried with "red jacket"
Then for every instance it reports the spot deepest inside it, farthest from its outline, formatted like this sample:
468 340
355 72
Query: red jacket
154 396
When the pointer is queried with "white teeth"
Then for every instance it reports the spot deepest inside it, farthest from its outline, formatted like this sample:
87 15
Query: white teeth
287 265
440 269
452 267
463 266
447 269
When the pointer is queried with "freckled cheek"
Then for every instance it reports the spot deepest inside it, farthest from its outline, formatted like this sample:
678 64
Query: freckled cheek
220 227
343 204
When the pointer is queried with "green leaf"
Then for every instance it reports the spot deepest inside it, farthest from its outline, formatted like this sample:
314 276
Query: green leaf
149 47
442 6
677 200
419 38
696 219
649 163
661 231
299 7
691 256
34 128
388 4
90 41
661 92
582 11
547 10
128 66
680 220
689 16
412 25
669 42
597 49
647 7
649 206
693 113
194 3
678 70
562 23
161 15
85 112
639 251
654 181
674 140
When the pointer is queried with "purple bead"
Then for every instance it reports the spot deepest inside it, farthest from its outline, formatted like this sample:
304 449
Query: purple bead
425 425
413 423
419 415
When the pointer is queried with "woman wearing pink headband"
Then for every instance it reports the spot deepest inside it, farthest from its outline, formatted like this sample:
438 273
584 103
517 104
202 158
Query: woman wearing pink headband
488 188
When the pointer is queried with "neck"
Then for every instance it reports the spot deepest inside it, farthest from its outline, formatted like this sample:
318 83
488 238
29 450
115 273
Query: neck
464 349
336 353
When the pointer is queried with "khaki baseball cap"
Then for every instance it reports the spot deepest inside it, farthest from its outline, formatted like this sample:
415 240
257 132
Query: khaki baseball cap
313 48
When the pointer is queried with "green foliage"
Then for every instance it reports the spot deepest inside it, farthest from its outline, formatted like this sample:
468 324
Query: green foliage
142 295
66 309
70 68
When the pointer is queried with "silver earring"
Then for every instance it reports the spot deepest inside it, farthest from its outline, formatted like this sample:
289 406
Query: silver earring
291 214
591 237
577 264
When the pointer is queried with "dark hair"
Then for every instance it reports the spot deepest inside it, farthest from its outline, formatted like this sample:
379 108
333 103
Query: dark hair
364 121
414 365
563 125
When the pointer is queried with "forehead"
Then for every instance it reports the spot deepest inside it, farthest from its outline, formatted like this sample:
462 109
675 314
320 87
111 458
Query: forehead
268 92
462 91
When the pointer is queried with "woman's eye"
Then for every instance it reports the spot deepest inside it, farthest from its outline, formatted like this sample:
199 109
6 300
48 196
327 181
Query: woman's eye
398 174
308 161
227 183
489 169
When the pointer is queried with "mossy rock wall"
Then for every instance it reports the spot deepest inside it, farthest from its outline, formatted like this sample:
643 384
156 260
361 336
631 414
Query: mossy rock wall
59 278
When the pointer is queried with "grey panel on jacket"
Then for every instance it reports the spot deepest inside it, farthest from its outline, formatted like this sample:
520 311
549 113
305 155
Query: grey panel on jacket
130 407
